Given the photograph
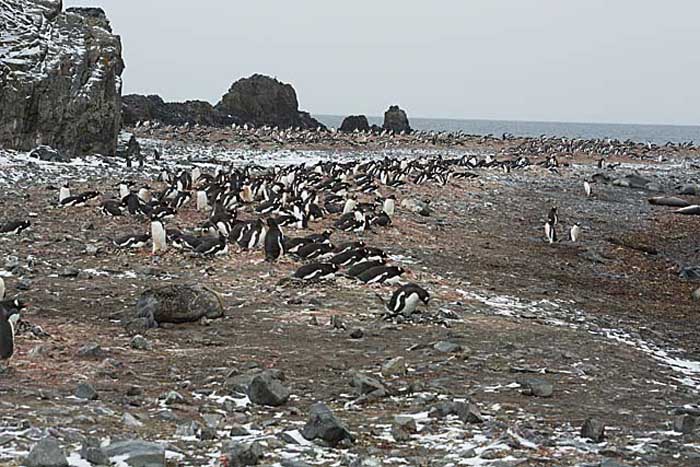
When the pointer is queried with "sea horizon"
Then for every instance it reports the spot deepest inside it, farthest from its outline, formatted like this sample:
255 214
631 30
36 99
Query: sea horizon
640 132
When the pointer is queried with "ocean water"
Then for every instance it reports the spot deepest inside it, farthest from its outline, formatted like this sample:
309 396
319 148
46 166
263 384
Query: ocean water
659 134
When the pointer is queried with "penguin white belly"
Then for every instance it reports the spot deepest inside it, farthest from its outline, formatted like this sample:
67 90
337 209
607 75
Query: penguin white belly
202 202
63 193
411 304
158 237
2 288
13 323
393 280
223 251
389 207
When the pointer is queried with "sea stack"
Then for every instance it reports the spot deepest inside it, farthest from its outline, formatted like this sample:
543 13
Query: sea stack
354 123
396 121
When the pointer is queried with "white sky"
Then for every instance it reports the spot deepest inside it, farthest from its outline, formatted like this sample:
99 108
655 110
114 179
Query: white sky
634 61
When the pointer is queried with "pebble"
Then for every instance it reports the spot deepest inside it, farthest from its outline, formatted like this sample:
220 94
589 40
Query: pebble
394 367
324 425
357 333
403 428
537 387
447 347
685 424
138 342
91 350
264 389
244 454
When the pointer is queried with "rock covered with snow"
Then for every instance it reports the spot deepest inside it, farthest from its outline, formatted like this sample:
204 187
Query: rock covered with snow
60 79
137 108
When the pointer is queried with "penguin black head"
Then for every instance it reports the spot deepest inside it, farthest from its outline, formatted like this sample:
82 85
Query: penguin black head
11 307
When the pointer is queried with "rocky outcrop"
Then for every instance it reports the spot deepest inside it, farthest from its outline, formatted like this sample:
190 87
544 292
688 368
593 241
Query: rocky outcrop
60 79
395 120
354 122
261 100
137 108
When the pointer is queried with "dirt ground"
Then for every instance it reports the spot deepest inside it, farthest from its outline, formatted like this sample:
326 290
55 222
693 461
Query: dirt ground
600 320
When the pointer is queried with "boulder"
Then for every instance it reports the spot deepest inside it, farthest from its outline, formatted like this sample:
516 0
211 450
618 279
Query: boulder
593 429
48 154
264 389
261 100
396 121
137 108
244 454
60 79
46 453
322 424
137 453
354 123
178 304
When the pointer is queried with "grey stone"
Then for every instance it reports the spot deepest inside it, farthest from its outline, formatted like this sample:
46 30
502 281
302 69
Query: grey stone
690 273
130 421
238 430
47 453
264 389
685 424
92 452
91 350
394 367
447 347
86 391
138 342
294 463
137 108
24 284
137 453
173 397
357 333
244 454
593 429
75 110
403 428
417 206
69 272
537 387
364 384
365 462
696 294
322 424
467 412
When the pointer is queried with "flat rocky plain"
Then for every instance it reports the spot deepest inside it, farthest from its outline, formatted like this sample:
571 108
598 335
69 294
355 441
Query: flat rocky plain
532 339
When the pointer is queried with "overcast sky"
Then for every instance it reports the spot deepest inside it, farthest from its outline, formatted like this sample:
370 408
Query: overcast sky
634 61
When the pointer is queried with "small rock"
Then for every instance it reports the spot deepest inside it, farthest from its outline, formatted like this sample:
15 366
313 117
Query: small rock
138 342
173 397
47 453
593 429
394 367
364 384
86 391
69 272
137 453
213 420
685 424
696 294
11 263
537 387
24 284
365 462
322 424
92 452
467 412
417 206
357 333
91 350
130 421
266 390
244 454
238 430
403 428
447 347
92 250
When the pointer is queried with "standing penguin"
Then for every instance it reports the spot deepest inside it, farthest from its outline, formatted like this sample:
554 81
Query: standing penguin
550 232
587 188
389 205
274 241
158 236
9 315
63 192
553 217
575 233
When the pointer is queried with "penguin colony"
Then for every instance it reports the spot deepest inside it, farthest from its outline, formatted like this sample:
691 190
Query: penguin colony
255 208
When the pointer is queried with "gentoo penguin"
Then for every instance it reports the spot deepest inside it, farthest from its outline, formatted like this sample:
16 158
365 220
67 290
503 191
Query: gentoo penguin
363 266
389 205
575 233
349 257
9 315
111 207
63 192
315 251
406 298
213 246
144 194
587 188
124 189
693 209
14 227
381 275
350 205
158 236
316 271
550 232
274 241
553 217
132 240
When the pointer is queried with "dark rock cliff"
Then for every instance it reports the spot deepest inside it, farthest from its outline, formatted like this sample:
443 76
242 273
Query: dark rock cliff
60 79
